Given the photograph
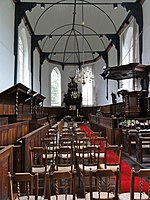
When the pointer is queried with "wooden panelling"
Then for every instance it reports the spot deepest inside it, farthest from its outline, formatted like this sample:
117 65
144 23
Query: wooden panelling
30 140
6 164
58 111
108 126
3 120
17 159
10 133
6 109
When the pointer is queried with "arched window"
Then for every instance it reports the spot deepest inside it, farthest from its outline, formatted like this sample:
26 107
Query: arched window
20 59
87 87
55 87
130 52
127 55
23 70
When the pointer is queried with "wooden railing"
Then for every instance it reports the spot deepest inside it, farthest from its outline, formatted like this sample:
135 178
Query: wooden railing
30 140
108 126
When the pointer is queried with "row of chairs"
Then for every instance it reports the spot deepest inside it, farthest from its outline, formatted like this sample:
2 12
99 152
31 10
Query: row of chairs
69 154
75 151
62 186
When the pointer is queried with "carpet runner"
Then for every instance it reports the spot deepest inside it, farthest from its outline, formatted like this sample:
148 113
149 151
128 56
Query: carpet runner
125 171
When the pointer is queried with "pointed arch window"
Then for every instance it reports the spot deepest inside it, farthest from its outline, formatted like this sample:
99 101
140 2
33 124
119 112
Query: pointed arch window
23 70
55 87
87 88
20 59
128 56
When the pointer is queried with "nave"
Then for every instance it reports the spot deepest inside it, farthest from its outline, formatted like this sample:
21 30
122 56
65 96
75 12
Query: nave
67 155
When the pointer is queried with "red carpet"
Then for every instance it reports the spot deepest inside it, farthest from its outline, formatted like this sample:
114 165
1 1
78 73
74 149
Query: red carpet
125 171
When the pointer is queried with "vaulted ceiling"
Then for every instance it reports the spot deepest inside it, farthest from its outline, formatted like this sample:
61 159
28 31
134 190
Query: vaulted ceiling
76 31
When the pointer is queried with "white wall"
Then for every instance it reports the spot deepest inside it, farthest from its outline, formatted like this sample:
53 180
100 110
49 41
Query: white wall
146 32
46 73
100 83
6 44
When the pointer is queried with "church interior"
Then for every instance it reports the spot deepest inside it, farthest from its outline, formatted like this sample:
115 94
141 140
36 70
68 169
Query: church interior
74 100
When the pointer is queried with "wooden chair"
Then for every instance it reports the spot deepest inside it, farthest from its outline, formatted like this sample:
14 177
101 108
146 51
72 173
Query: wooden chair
54 137
64 159
112 159
141 192
62 186
38 160
89 161
106 185
23 186
51 146
79 144
102 143
80 136
66 142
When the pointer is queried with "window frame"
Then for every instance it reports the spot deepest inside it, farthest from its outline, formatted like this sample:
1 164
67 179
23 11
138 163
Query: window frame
58 86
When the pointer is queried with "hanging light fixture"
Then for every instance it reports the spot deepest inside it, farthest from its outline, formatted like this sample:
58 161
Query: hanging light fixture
115 5
42 6
83 75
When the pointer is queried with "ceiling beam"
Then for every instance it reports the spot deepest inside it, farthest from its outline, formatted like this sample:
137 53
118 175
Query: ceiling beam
77 3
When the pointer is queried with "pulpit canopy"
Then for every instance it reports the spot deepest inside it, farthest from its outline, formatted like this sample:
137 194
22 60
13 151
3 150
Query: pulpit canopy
131 70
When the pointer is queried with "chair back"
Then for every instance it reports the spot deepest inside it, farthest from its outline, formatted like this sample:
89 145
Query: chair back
106 185
90 157
23 184
64 159
63 184
37 160
101 142
140 184
50 145
66 142
113 156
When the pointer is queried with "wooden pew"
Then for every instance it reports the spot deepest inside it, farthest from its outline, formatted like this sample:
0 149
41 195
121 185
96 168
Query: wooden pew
108 126
30 140
6 164
143 145
129 140
10 133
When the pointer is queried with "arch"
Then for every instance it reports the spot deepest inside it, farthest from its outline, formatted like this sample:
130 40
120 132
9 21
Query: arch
55 86
113 24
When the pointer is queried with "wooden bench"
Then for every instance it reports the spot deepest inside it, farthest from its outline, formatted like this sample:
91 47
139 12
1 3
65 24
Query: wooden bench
142 145
129 140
